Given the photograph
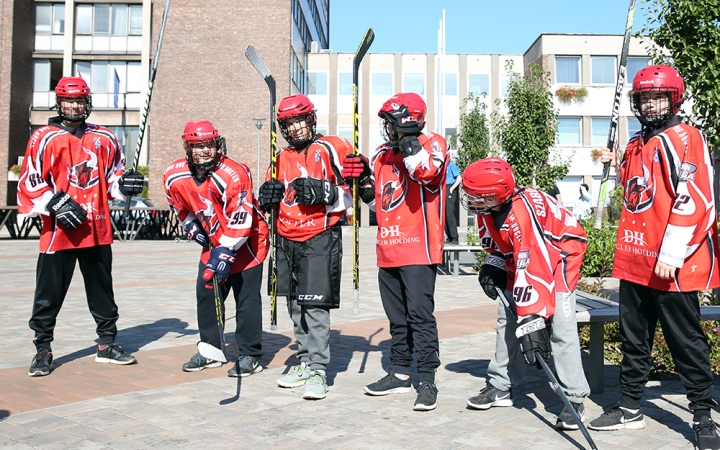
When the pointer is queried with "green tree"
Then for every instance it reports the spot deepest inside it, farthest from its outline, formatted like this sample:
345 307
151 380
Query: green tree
473 136
526 135
690 31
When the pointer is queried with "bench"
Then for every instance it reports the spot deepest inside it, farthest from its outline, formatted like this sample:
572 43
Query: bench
595 311
451 256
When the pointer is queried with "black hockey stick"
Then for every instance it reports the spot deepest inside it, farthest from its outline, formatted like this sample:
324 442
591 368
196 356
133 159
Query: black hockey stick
256 60
359 54
612 134
553 381
146 110
205 349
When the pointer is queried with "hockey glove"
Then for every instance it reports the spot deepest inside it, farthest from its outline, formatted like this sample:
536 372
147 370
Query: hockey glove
271 193
220 262
409 145
493 274
66 210
131 183
195 232
533 337
311 191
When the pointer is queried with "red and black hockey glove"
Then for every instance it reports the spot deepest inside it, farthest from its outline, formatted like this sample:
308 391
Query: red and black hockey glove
493 274
220 263
195 232
131 183
312 191
533 337
271 193
66 210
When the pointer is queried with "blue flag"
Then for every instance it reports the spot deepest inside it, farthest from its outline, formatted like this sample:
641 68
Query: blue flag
116 89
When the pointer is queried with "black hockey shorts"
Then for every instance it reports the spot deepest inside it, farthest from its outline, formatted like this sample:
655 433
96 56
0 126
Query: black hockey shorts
309 271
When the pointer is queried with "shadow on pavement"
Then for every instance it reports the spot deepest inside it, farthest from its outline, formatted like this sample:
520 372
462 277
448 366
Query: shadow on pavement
475 367
4 414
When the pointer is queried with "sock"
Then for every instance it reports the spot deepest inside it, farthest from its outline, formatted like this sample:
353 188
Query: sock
699 414
402 376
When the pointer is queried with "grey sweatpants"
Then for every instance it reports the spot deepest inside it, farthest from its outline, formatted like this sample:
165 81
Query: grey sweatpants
312 331
507 367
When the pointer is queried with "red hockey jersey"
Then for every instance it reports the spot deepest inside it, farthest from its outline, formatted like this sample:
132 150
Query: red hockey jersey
410 203
543 245
225 206
85 163
668 212
322 160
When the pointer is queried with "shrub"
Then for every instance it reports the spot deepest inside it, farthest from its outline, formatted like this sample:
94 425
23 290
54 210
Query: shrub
598 260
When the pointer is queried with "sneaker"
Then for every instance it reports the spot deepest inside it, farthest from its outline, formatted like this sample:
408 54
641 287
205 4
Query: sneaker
426 398
245 366
316 387
454 242
565 421
706 434
198 362
114 354
41 364
617 418
297 376
490 397
389 384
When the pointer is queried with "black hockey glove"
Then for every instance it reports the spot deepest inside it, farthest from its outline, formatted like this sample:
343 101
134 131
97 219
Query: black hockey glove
533 336
220 262
66 210
493 274
311 191
271 193
131 183
195 232
409 145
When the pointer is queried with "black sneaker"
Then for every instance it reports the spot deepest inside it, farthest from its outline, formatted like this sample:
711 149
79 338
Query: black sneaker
245 366
490 397
198 362
617 418
389 384
565 421
706 434
114 354
41 364
426 398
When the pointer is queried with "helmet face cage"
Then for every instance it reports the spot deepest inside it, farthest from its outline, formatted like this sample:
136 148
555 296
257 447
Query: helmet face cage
476 204
388 130
307 131
87 99
655 118
217 143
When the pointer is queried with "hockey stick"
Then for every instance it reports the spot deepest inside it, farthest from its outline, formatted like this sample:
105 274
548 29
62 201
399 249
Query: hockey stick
359 55
256 60
146 110
205 349
612 134
553 381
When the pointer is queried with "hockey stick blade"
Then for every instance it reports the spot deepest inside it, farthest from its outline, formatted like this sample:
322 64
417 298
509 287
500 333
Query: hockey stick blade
211 352
256 60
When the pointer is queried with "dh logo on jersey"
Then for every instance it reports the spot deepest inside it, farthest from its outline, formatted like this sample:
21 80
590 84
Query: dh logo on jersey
635 238
392 231
207 217
85 175
393 192
639 192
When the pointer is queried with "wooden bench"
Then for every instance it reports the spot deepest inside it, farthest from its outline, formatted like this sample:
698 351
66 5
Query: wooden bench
451 256
595 311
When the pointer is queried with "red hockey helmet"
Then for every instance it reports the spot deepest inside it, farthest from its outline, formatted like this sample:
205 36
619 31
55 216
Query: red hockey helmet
73 88
486 184
202 134
402 112
291 113
657 79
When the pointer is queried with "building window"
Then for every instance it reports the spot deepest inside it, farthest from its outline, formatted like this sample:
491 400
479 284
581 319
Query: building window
346 132
450 133
47 73
114 19
633 66
479 84
450 84
297 72
569 131
317 83
50 18
345 84
600 129
633 126
603 69
414 82
504 84
567 69
100 76
381 83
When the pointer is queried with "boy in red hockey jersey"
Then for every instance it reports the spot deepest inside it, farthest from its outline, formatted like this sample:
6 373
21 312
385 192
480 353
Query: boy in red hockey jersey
312 197
409 188
666 251
212 196
536 249
70 171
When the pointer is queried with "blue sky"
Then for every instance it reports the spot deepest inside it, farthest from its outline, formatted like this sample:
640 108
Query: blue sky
472 26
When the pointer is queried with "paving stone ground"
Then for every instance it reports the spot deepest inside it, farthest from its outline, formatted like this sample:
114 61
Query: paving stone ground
155 405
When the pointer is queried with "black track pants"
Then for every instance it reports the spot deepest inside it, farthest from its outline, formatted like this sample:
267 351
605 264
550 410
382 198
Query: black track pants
451 222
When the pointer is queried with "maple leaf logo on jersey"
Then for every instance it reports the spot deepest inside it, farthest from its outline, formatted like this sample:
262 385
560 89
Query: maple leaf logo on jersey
85 175
207 217
393 192
639 195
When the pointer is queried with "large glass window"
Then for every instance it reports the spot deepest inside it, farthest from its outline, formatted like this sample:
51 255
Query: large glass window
382 83
569 131
345 84
100 75
101 19
317 83
603 69
119 20
633 126
567 69
83 18
600 129
450 84
504 84
479 84
633 66
42 75
414 82
49 18
115 19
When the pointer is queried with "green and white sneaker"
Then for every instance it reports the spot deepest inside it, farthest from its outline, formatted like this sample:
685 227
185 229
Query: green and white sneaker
297 376
316 387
